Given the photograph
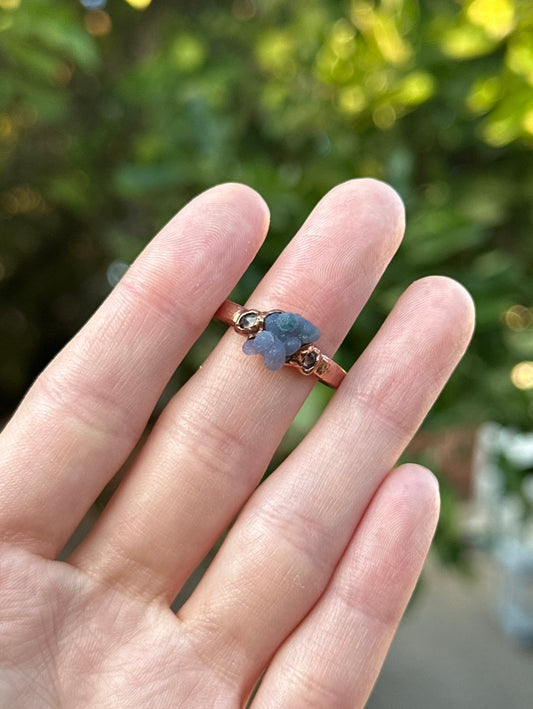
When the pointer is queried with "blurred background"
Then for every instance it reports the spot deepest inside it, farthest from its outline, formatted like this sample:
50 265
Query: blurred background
114 114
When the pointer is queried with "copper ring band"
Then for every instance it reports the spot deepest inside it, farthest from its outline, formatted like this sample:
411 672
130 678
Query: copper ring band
308 360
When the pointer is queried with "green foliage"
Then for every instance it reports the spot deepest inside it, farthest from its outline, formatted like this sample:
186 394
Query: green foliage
111 120
448 542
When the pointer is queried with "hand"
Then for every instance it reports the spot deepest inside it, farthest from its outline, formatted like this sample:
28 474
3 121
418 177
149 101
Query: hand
313 577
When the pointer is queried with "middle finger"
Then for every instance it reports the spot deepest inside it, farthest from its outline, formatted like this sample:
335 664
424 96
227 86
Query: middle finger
214 440
281 553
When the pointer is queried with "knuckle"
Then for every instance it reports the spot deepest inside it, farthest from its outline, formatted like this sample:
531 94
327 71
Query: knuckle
301 530
311 689
380 406
71 400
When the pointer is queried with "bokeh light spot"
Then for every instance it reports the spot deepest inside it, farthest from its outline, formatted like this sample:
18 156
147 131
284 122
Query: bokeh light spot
93 4
484 94
517 317
522 375
9 4
22 199
416 88
98 23
115 271
342 39
6 126
527 121
275 53
64 73
519 57
362 15
377 82
500 132
243 10
384 116
466 42
352 100
187 53
139 4
392 46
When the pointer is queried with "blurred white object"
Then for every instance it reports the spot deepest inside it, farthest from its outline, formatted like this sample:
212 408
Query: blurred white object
516 590
508 522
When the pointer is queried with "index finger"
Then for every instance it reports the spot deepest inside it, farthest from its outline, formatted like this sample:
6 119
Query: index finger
84 414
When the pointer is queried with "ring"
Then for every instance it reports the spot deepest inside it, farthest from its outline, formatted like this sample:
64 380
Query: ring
282 338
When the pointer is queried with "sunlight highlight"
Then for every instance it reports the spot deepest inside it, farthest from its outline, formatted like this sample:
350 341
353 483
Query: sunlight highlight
416 88
495 16
139 4
527 121
466 42
484 94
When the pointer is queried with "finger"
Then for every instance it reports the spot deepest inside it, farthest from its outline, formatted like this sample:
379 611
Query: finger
281 552
333 658
213 443
85 412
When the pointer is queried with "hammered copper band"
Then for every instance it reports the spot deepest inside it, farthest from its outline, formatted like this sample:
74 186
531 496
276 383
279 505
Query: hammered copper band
324 368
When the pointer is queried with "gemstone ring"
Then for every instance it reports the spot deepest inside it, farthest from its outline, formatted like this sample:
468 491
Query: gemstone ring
281 338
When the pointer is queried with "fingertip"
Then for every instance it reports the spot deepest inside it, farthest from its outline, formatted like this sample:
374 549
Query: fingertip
376 189
421 480
379 199
384 196
224 225
462 299
249 200
416 491
447 296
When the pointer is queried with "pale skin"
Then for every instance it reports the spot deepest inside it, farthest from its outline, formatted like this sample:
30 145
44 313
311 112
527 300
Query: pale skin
311 581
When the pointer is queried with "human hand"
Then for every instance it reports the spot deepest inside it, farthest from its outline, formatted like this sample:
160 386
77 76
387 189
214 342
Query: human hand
314 575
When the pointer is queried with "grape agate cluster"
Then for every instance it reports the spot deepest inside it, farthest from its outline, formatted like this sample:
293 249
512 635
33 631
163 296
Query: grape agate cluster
281 336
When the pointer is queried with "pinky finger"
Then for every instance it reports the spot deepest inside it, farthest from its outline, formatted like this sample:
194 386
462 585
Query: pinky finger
333 658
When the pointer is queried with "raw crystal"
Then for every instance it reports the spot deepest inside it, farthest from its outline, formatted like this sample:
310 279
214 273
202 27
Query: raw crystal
283 335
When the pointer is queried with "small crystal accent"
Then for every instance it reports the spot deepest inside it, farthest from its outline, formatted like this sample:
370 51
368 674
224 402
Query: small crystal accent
248 321
309 361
